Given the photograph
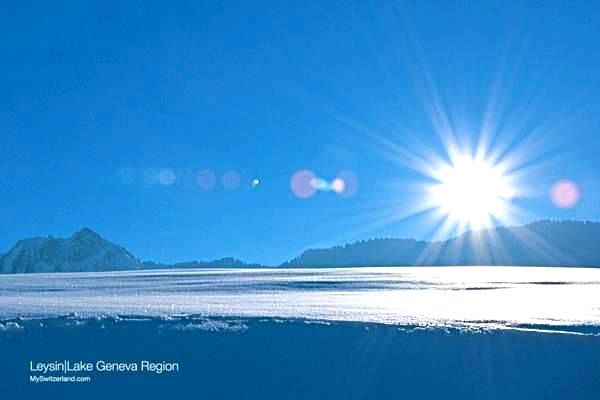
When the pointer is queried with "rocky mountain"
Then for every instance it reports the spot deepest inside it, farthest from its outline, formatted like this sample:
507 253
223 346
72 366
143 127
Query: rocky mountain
85 251
544 243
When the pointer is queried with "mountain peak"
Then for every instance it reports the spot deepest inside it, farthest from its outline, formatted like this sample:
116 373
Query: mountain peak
86 233
85 250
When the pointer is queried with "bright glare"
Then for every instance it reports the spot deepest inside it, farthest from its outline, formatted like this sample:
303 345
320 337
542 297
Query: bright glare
471 192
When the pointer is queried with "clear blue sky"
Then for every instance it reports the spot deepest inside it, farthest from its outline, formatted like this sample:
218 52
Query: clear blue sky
95 96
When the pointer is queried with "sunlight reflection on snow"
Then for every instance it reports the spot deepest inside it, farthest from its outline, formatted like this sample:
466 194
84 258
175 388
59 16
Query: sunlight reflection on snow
434 296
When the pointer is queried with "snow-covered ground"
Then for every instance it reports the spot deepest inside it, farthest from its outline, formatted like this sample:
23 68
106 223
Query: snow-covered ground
462 297
367 333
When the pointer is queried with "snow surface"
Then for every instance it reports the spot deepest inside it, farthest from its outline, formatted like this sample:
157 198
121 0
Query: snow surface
471 297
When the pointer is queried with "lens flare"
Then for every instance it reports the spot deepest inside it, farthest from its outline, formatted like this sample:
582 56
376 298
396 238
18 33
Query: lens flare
167 177
151 176
346 184
302 184
338 185
565 194
231 180
206 179
320 184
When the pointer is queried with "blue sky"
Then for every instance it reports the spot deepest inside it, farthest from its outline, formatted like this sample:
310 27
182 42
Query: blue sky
98 96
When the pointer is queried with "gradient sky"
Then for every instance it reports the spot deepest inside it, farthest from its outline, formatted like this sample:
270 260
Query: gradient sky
99 96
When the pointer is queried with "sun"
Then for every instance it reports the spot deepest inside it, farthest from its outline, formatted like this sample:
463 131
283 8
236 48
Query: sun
471 191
